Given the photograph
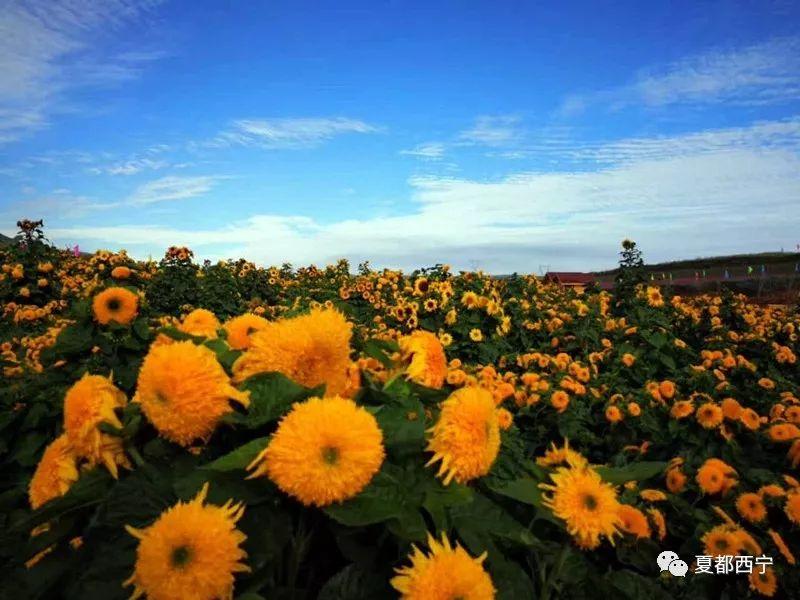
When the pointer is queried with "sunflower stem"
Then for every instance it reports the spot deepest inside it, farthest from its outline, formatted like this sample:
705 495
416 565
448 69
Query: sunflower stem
137 458
555 572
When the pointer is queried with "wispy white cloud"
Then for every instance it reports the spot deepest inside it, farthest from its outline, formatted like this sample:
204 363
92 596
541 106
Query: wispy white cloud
720 199
758 137
760 74
567 150
58 204
172 188
493 130
129 167
45 50
429 151
289 132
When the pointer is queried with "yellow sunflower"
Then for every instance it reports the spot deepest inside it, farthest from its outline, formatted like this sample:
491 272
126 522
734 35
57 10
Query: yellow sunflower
681 409
764 583
121 272
651 495
676 480
191 552
56 472
239 329
184 391
325 450
654 297
423 353
586 503
505 419
92 400
709 415
560 400
200 322
751 507
466 438
750 419
564 456
715 476
311 349
115 304
722 540
448 572
476 335
633 521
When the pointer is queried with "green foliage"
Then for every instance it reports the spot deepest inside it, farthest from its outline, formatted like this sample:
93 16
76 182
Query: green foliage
630 274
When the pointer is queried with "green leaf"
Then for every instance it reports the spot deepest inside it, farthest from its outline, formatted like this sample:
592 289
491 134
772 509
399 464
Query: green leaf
522 490
510 579
28 449
75 339
656 340
633 586
271 397
141 329
180 336
225 354
401 434
439 498
384 498
481 520
355 583
633 472
88 491
667 361
381 350
239 458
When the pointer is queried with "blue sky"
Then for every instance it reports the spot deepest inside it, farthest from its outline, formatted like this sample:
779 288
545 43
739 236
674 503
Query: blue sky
502 135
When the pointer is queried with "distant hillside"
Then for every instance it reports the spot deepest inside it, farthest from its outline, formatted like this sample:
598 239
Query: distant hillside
5 240
774 263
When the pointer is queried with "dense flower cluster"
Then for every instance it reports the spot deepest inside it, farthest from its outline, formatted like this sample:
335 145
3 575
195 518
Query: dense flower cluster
527 423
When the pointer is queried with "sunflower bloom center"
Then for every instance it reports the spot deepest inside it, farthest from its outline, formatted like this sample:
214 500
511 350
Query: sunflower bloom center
181 556
590 502
113 304
330 455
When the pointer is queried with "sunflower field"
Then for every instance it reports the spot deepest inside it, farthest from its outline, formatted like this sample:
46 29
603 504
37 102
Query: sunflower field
174 430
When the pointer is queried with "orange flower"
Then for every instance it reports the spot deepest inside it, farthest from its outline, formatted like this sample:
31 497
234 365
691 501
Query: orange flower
633 521
715 476
784 432
709 415
751 507
676 480
667 389
731 409
560 400
613 414
681 409
750 419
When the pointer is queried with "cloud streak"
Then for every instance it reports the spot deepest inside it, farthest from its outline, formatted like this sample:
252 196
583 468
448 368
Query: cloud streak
288 132
492 131
46 50
171 188
761 74
429 151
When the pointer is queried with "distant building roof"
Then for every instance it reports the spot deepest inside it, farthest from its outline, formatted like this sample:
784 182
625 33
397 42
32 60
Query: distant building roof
570 277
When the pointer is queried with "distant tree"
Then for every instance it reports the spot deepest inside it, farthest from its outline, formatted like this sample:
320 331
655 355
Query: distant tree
630 274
